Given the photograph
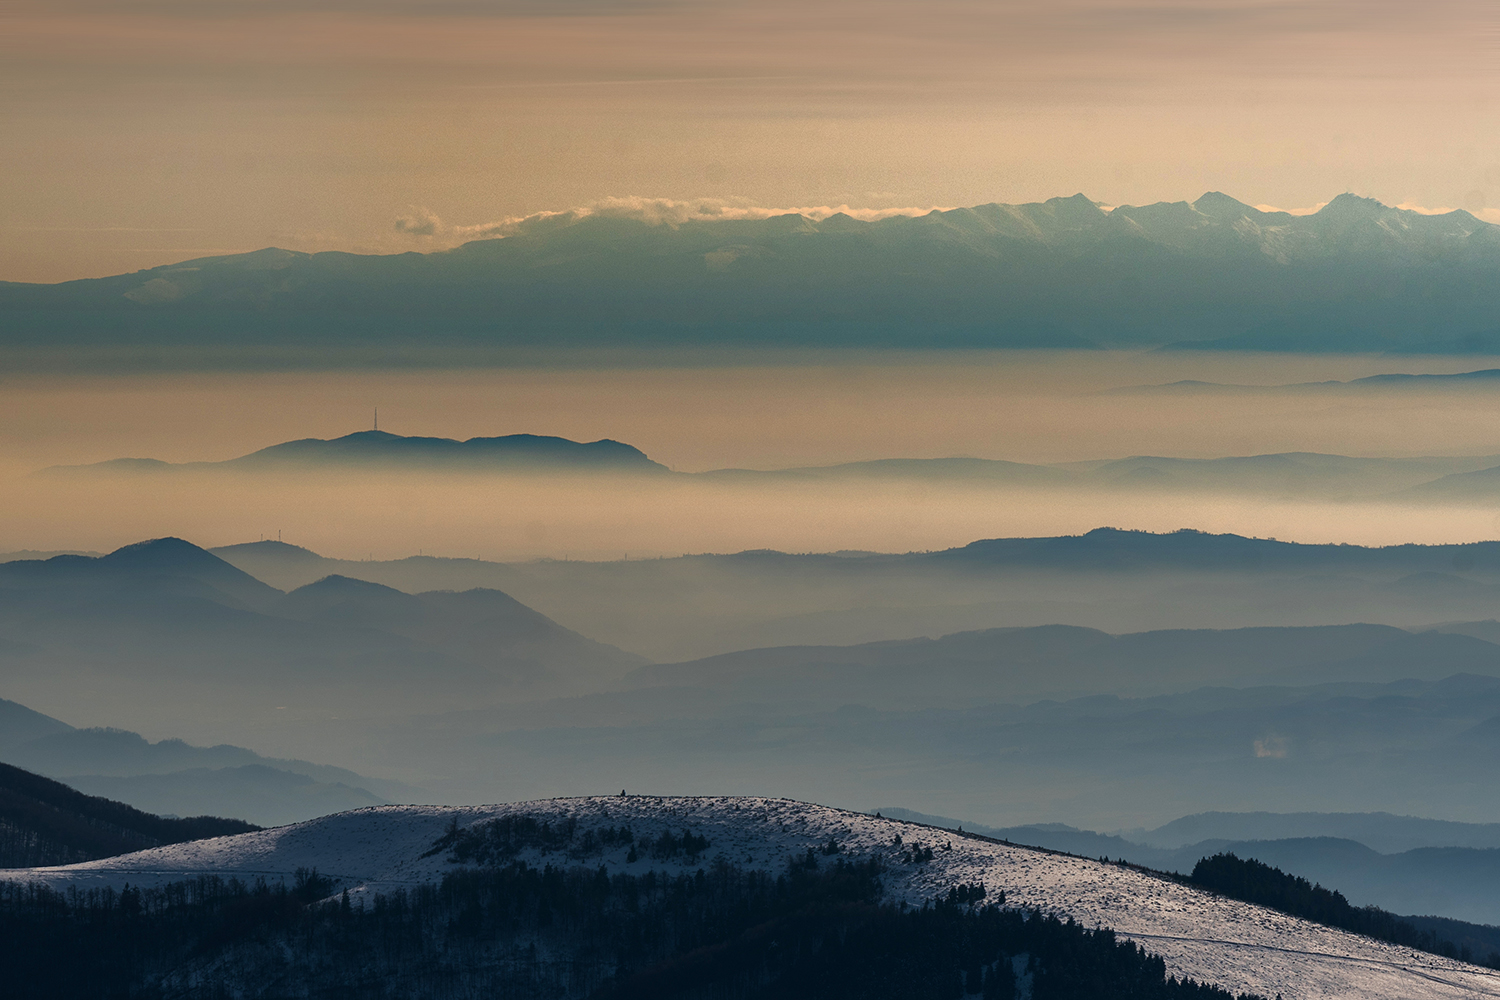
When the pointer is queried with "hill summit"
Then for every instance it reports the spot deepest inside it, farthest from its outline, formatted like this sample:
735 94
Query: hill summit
380 448
1201 935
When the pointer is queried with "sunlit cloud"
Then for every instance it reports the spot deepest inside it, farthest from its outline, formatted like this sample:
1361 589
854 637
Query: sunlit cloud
1309 210
423 223
1475 206
1271 746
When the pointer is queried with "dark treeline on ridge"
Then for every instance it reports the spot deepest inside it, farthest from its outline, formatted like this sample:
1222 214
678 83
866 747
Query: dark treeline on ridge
1256 882
44 822
519 931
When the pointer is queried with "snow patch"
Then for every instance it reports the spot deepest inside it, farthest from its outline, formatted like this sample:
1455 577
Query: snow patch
1209 938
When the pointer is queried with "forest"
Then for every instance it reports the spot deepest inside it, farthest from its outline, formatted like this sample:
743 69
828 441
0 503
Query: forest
1256 882
44 822
818 929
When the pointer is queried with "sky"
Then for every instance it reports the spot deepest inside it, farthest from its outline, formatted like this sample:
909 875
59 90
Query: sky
141 132
145 132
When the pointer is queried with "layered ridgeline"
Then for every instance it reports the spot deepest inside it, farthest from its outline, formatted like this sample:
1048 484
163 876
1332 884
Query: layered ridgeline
1287 476
1403 864
1114 580
171 776
165 622
376 449
1283 476
1354 276
577 897
44 822
456 686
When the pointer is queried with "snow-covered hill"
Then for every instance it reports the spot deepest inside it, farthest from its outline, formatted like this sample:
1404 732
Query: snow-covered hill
1233 944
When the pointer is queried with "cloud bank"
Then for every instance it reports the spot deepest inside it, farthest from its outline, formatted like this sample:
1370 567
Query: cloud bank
423 223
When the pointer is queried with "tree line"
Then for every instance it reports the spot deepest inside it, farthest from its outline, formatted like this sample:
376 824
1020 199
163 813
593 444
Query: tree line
44 822
518 931
1257 882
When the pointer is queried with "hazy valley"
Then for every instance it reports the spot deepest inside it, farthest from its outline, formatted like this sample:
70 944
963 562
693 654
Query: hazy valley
749 500
1299 704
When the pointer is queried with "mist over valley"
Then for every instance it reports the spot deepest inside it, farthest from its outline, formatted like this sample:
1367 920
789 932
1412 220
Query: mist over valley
1087 690
750 500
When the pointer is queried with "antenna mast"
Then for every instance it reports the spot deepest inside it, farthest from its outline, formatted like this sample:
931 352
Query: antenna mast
377 418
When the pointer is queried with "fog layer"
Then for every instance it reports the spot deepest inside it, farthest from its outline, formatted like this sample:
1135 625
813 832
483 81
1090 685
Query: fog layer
704 414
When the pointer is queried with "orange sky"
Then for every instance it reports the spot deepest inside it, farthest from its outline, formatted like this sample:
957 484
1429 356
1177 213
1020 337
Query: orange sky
140 132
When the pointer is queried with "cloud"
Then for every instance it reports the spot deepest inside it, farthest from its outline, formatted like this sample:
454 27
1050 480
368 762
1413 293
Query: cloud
653 211
1474 205
1271 746
422 222
1310 210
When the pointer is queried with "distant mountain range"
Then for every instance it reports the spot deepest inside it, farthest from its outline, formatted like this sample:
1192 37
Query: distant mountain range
1218 274
176 633
1435 875
1299 475
1485 379
149 610
1023 665
468 691
44 822
171 777
378 448
1109 579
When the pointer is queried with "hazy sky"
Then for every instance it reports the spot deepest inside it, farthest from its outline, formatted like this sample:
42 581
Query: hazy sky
758 413
140 132
768 410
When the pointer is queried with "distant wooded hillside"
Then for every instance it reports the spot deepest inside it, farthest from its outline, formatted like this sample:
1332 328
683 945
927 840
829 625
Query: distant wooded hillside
44 822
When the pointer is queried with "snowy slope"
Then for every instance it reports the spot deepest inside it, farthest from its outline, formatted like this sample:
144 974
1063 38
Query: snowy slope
1236 945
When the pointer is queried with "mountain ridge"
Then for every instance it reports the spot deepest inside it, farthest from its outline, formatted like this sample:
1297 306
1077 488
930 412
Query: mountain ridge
170 776
150 623
686 607
1213 274
1281 474
1399 863
1481 378
374 447
45 822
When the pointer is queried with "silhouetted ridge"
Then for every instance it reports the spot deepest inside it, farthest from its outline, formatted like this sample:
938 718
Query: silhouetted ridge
379 448
342 586
1218 205
44 822
375 447
1349 205
173 557
164 554
335 592
156 566
1189 549
269 547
